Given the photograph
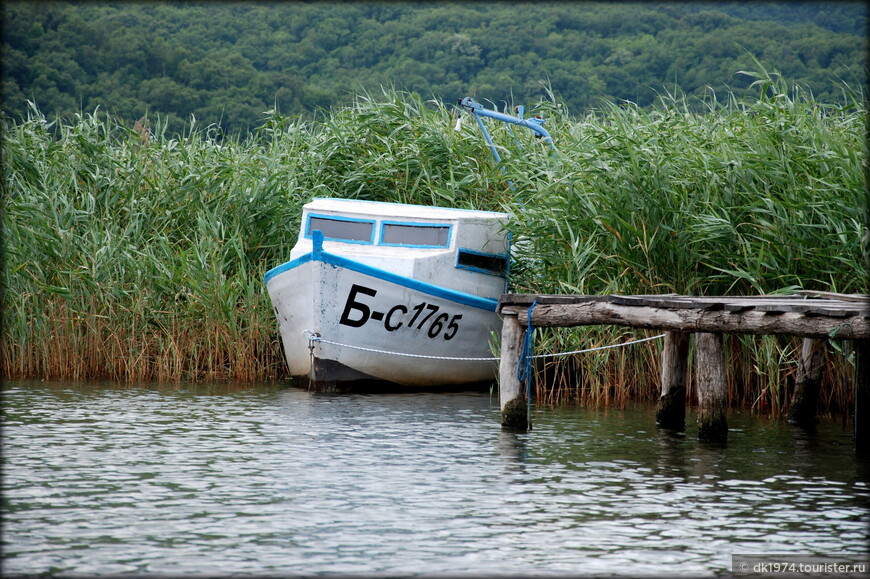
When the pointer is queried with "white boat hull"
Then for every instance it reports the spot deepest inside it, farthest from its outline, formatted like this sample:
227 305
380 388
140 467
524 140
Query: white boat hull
343 322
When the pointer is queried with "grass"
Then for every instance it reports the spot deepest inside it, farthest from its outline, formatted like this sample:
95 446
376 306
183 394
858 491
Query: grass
135 254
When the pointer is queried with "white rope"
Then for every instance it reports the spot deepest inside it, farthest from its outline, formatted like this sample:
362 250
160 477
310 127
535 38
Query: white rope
638 341
313 337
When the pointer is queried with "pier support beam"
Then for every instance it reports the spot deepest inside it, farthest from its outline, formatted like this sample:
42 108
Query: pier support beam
862 397
671 408
710 372
805 399
511 396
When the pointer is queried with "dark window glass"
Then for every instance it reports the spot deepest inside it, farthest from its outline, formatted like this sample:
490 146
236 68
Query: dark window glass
341 229
484 262
429 235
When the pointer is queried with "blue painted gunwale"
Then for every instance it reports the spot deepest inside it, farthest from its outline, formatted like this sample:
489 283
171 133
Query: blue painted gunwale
317 254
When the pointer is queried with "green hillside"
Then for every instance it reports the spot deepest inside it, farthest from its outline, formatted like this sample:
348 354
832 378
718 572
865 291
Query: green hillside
227 63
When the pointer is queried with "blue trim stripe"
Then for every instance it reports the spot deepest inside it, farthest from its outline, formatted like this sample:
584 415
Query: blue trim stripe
459 297
287 267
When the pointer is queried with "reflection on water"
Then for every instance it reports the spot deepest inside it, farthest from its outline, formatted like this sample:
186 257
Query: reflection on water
103 479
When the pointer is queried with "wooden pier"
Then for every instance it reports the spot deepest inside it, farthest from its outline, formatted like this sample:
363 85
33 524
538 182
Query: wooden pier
814 316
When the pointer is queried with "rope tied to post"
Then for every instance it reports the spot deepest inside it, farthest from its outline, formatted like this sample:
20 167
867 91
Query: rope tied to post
524 364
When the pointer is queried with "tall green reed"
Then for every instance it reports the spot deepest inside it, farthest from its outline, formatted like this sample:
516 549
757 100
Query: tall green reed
136 255
712 198
139 255
137 260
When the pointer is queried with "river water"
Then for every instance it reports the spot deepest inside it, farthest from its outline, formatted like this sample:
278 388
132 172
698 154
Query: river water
267 480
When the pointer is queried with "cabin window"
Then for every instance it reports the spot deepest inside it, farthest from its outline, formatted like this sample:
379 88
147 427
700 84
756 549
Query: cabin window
483 262
355 230
416 235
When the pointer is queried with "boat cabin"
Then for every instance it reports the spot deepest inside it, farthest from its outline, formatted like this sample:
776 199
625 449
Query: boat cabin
464 250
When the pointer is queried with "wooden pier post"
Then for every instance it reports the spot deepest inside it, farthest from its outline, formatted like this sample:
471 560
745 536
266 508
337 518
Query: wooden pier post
862 397
805 399
710 372
812 315
671 408
511 396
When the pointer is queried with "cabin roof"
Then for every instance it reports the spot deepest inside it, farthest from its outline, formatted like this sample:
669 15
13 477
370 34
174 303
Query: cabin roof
379 209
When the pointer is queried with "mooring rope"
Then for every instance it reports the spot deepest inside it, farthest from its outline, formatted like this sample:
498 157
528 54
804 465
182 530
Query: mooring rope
313 337
524 364
629 343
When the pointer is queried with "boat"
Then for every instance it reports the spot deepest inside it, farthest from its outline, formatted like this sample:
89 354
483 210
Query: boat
388 292
378 293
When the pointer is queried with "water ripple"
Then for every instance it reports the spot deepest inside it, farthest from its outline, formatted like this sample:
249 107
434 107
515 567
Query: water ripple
101 479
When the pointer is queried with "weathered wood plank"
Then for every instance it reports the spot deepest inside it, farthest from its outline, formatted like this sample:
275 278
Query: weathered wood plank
854 306
838 311
671 407
761 303
805 398
712 399
692 320
529 299
655 301
511 397
835 296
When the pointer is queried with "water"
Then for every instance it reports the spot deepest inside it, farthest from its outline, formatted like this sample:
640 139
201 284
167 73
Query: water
102 479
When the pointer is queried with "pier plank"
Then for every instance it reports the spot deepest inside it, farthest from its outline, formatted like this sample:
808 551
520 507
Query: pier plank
835 296
798 316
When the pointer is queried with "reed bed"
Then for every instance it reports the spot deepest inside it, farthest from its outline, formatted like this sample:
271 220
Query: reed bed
136 254
737 197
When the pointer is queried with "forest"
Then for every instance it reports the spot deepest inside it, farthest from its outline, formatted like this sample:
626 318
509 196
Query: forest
227 64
